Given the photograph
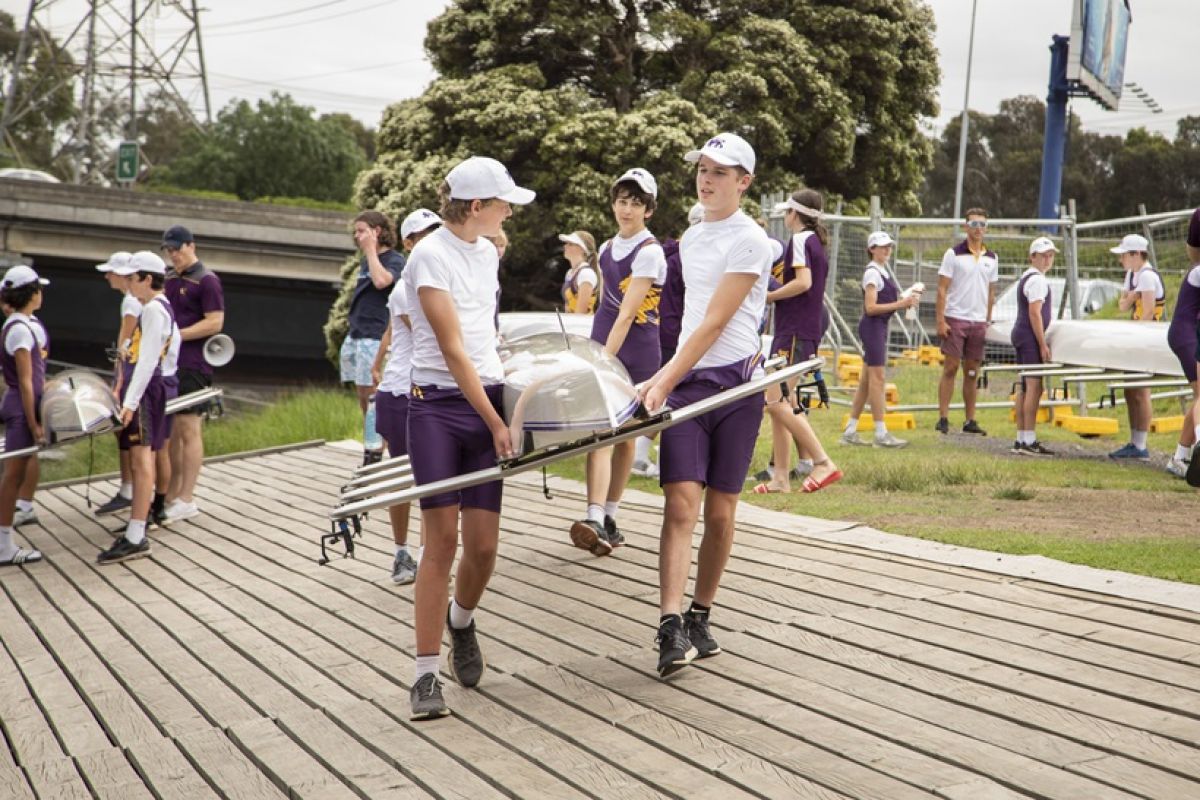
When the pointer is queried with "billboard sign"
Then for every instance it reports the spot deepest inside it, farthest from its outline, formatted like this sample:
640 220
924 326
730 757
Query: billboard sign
1099 42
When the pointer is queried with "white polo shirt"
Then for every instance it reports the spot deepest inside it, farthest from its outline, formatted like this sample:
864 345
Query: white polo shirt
397 375
470 273
709 250
970 277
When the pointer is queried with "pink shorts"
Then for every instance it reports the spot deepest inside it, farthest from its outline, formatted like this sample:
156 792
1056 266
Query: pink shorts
966 339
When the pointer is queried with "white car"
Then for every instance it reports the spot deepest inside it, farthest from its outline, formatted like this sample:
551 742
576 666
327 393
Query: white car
22 174
1094 294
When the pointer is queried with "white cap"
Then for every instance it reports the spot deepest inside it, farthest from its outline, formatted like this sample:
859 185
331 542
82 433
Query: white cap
728 149
879 239
117 259
642 178
420 220
776 250
481 178
21 275
1042 244
570 238
696 214
143 261
1132 243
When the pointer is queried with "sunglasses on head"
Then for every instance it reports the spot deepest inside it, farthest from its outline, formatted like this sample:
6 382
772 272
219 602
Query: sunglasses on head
977 223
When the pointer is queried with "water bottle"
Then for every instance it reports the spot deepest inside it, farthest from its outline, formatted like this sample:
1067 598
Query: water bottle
911 312
372 441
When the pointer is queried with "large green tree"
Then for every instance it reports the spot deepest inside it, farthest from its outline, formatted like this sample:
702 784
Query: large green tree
36 130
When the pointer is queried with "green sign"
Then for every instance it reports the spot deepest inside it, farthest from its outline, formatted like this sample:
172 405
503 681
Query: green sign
127 162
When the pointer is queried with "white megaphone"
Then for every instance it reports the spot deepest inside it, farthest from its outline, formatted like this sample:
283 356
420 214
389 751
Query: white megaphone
218 350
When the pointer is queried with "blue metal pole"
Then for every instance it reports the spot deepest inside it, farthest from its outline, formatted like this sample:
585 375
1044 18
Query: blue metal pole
1055 143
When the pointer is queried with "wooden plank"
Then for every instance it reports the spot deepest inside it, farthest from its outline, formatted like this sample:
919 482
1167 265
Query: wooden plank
110 775
14 784
286 763
226 767
28 734
167 771
58 778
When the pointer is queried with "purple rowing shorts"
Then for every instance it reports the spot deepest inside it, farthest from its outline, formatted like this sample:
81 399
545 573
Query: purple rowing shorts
447 438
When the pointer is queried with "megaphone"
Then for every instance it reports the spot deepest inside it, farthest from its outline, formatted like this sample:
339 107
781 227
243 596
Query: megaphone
218 350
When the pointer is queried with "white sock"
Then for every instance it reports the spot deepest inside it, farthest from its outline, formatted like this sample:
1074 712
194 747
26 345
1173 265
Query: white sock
1139 439
6 543
852 426
641 450
126 491
805 463
136 532
595 512
1183 452
427 665
415 552
610 508
400 548
1028 437
24 505
880 429
460 617
1198 433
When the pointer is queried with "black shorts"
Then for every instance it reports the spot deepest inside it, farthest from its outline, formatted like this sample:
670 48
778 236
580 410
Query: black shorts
192 380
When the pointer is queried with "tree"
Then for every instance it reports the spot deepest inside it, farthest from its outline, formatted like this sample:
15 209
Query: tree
36 130
277 149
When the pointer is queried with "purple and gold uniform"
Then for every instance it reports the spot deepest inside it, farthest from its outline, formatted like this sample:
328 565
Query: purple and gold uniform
144 390
873 329
17 434
1183 335
1023 339
641 351
800 320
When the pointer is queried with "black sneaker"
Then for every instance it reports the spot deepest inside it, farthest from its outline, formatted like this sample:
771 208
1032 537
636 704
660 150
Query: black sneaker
591 536
427 700
372 457
971 426
117 503
1193 471
612 533
764 475
695 623
1038 449
943 425
675 650
124 550
1018 448
158 518
466 660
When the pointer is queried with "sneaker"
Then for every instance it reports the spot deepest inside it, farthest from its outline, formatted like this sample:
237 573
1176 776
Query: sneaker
887 440
695 624
1130 453
404 568
124 550
427 700
589 535
466 660
971 426
612 533
1018 448
372 457
800 470
117 503
157 518
645 469
942 426
1193 470
24 517
1038 449
179 511
675 650
764 475
854 439
1176 466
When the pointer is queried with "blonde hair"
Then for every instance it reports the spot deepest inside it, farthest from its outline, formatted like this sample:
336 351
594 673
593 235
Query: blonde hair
590 254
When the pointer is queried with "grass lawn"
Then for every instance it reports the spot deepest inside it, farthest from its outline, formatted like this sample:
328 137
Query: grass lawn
966 490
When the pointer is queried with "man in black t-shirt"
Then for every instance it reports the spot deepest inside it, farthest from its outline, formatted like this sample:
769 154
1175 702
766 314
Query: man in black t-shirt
375 235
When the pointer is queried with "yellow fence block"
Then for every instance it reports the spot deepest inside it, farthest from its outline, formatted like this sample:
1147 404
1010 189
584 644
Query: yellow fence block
1043 414
1167 424
895 420
849 360
1090 426
850 374
891 394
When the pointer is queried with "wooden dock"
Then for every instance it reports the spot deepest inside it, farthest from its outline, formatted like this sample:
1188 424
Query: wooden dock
229 664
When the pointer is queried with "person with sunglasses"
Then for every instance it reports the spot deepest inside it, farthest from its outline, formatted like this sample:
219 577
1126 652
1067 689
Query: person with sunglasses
966 293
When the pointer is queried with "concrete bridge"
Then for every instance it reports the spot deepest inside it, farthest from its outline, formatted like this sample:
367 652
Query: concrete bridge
279 265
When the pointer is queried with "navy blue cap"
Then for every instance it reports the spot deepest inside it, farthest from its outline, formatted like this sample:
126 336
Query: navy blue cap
176 236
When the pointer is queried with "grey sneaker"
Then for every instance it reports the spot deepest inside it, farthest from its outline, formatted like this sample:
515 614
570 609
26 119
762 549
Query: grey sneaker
1129 452
613 533
28 517
675 649
854 439
887 440
591 536
1178 467
645 469
466 660
404 568
427 700
113 505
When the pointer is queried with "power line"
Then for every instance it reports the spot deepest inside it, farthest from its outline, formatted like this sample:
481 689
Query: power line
272 28
292 13
282 81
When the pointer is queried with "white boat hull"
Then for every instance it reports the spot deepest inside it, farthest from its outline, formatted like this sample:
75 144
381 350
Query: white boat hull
1117 344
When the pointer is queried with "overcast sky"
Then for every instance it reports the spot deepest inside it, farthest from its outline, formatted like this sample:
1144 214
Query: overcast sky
358 55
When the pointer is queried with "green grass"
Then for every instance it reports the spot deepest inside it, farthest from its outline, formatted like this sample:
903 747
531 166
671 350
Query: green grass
1079 507
310 414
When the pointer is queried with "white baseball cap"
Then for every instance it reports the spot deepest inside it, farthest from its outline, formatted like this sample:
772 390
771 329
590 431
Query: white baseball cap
1042 244
481 178
1132 243
21 275
695 214
642 178
143 261
420 220
879 239
728 149
117 259
570 238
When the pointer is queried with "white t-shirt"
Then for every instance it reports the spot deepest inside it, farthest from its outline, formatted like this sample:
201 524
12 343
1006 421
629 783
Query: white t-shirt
970 278
873 276
708 251
650 262
470 273
130 307
1037 287
170 362
397 374
156 330
799 257
1145 280
1193 277
586 275
19 337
